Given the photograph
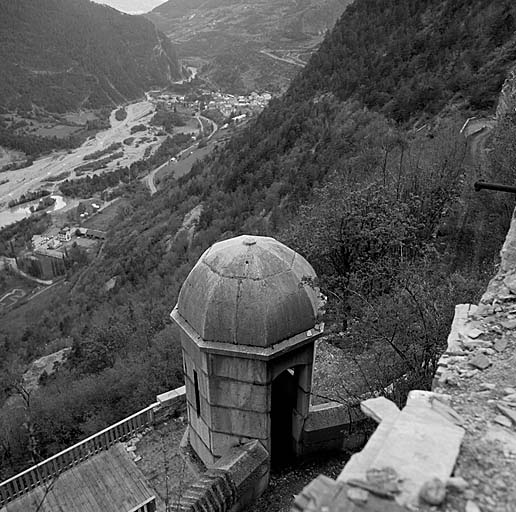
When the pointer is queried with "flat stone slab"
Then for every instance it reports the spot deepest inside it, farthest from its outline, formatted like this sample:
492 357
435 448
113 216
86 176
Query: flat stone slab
379 409
500 345
324 494
474 333
420 444
171 396
508 324
507 411
481 362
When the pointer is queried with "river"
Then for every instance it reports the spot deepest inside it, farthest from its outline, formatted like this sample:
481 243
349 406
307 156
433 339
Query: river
17 182
22 211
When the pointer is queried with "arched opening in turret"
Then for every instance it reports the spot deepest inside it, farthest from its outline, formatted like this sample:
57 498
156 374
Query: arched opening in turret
283 404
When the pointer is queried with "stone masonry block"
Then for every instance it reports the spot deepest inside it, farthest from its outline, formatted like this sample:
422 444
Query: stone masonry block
380 408
298 422
304 377
194 352
220 443
201 449
200 427
239 395
242 423
239 369
202 378
188 365
243 461
303 402
190 391
204 406
172 397
302 356
331 415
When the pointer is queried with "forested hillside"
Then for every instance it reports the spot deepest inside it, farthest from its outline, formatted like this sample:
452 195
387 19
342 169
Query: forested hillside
366 182
66 54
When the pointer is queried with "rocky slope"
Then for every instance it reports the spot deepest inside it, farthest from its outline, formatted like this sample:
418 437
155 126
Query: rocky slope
65 54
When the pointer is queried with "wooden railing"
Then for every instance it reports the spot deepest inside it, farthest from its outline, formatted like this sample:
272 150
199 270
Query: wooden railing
45 472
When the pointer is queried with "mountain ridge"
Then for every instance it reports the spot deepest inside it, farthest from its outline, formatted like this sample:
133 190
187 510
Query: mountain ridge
62 55
226 38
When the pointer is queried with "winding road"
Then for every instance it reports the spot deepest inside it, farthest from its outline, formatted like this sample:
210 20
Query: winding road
288 60
11 297
149 180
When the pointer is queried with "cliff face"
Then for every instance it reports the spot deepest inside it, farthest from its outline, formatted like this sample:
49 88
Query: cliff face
66 54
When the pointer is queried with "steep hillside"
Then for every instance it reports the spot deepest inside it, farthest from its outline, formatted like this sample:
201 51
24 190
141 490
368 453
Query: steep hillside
229 37
337 171
65 54
408 57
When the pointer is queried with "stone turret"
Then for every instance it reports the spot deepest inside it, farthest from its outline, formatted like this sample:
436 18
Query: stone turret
248 318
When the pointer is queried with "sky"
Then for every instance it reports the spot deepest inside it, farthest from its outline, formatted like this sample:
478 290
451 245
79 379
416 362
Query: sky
132 6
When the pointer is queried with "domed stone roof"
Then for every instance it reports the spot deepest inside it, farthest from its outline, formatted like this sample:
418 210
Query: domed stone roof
249 290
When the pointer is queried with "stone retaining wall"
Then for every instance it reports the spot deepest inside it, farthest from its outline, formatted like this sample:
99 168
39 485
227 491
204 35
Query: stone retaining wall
334 426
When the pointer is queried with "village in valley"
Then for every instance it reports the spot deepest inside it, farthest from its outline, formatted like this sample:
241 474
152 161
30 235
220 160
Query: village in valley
227 104
76 226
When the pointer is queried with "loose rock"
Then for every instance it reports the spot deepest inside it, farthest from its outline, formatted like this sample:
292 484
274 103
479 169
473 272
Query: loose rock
500 345
508 324
471 506
457 483
433 492
481 362
357 495
469 494
502 420
475 333
508 412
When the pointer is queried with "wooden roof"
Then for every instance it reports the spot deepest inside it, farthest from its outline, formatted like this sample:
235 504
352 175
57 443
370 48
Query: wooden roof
109 482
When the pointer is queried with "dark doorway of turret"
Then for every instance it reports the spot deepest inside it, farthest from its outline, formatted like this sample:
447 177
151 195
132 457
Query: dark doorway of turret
283 403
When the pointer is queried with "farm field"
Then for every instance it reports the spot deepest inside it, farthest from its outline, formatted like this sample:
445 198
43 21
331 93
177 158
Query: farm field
105 218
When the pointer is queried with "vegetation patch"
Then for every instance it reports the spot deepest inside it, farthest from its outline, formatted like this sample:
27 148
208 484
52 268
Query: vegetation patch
168 120
102 152
121 114
98 164
58 177
29 196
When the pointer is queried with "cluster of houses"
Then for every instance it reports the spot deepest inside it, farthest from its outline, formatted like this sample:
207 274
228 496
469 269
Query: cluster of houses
228 104
48 256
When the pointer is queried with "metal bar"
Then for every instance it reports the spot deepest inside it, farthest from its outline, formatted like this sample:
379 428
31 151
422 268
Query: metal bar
479 185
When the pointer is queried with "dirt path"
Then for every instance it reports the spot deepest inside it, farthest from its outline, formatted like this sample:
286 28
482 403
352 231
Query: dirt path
478 221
